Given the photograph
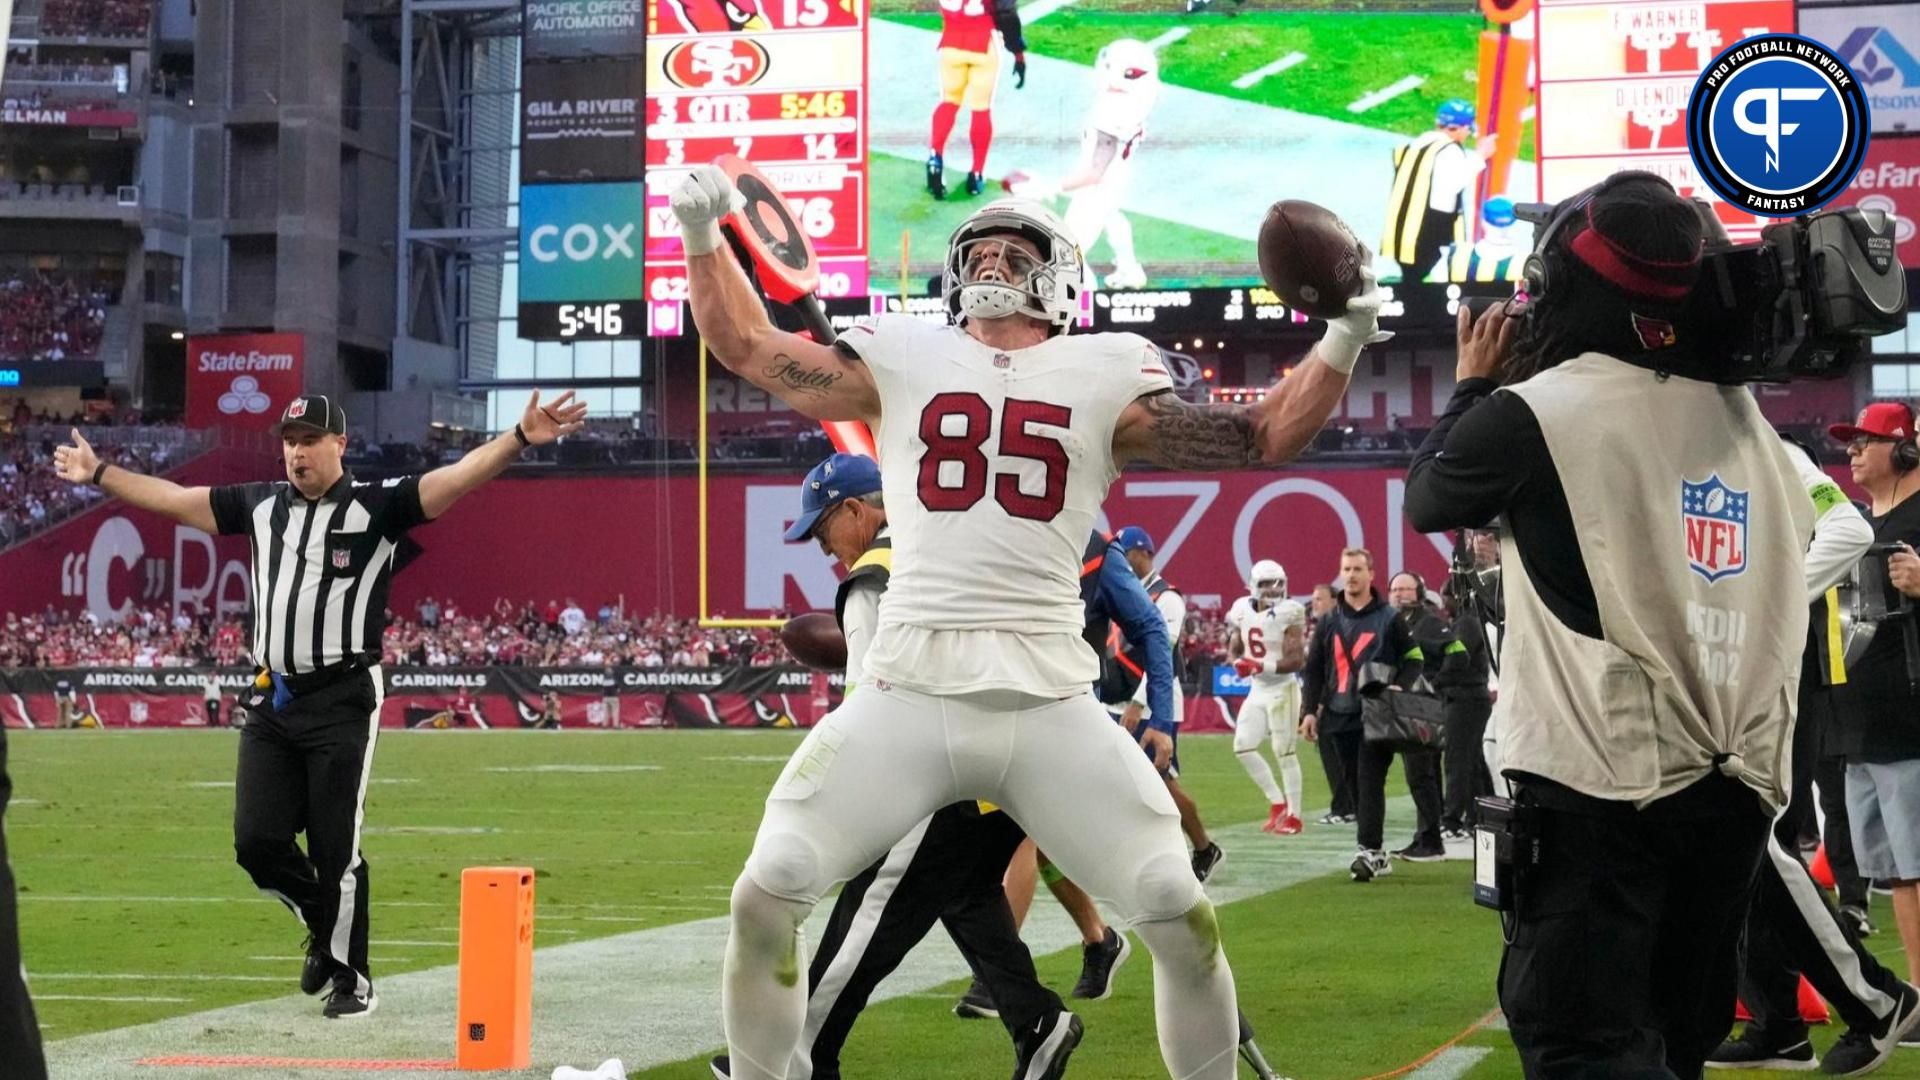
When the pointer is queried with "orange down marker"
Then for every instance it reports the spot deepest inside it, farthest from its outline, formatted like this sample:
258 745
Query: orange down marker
494 1018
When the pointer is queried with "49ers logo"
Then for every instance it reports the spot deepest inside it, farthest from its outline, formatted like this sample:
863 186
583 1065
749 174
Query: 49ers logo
716 64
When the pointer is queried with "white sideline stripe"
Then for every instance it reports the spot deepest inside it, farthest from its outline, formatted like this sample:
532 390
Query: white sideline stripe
574 768
1252 78
575 983
136 976
1169 38
1527 114
1038 10
755 758
1451 1064
111 997
1386 94
419 944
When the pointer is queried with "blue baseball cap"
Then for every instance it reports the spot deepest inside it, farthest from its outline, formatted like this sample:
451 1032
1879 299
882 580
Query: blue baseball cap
1134 538
1457 112
832 482
1498 211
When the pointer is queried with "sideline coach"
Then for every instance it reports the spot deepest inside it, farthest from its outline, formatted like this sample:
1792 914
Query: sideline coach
323 548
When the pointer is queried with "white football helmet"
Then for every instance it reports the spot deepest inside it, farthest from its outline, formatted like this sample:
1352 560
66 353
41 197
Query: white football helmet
1268 582
1127 65
1047 289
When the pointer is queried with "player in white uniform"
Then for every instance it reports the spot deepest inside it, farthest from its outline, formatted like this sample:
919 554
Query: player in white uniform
1269 645
1127 83
997 438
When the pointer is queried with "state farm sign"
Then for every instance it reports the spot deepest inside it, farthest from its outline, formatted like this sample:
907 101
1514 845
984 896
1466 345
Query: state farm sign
242 380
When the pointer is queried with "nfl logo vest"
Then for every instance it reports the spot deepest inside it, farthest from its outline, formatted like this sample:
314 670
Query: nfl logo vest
1715 518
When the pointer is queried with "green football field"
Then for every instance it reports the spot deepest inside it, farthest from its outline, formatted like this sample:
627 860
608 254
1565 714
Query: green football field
136 922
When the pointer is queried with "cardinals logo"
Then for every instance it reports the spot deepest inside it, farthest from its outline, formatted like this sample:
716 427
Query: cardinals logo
713 16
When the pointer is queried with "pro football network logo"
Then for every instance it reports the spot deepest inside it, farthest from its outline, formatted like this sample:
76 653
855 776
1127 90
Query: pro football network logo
1778 125
1715 518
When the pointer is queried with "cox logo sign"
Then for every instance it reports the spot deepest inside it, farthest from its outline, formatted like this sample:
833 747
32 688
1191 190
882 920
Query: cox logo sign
578 242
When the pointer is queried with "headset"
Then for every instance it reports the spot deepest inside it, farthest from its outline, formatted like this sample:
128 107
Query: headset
1906 452
1554 217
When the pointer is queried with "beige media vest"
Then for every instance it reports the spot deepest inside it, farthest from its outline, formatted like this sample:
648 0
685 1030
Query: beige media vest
1693 525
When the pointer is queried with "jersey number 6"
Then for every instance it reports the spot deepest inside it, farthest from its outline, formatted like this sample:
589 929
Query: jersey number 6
1015 442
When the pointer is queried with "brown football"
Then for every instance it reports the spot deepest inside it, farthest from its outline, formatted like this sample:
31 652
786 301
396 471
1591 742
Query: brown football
1310 258
815 640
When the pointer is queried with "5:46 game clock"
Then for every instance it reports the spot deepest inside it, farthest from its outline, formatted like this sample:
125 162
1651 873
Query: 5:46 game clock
610 320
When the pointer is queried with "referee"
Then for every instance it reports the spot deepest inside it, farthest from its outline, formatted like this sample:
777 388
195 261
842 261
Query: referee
323 547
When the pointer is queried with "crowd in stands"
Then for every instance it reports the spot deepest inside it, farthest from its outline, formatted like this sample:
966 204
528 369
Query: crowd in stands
148 637
32 497
50 316
63 72
96 18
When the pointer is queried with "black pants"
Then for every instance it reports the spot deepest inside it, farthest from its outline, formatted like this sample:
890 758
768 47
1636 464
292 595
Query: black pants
1792 930
1340 756
951 871
19 1028
1830 774
1466 759
305 769
1423 780
1625 947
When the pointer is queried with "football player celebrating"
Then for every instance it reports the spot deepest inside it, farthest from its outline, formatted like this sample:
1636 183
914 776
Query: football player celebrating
970 39
998 436
1269 644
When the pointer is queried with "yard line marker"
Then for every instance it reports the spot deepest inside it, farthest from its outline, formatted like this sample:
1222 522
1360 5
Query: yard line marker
112 998
572 768
343 1064
1251 78
1386 94
417 944
1169 37
1526 114
132 976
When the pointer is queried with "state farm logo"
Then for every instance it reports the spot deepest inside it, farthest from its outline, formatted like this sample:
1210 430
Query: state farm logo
244 396
708 64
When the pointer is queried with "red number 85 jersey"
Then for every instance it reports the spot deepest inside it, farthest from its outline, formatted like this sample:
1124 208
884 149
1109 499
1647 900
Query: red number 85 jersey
994 465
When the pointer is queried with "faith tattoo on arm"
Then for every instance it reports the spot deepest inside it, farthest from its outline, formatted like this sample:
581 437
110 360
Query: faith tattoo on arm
1189 436
797 377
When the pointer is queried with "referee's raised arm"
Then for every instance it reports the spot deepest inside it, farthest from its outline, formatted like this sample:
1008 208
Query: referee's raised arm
78 464
539 424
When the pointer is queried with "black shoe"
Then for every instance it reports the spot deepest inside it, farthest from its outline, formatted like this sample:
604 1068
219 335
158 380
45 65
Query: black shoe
936 176
720 1067
1207 860
1041 1052
344 1004
976 1004
1421 853
1859 1051
976 183
1754 1049
1098 963
317 971
1856 920
1368 865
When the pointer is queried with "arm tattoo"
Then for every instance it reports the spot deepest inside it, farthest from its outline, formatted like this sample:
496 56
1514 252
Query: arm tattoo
1188 436
791 374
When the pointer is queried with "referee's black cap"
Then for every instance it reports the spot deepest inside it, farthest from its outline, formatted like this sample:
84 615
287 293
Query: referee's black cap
314 411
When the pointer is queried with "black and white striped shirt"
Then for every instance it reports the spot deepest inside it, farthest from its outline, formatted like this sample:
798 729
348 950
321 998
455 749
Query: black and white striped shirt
320 568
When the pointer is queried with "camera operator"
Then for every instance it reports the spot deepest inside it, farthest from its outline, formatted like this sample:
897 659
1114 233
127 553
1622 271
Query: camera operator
1650 655
1877 728
1407 592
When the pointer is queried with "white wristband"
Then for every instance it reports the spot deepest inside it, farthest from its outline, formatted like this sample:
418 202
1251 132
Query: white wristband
703 240
1338 350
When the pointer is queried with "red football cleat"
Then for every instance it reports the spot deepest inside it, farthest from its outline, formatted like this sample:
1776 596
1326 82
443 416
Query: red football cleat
1274 817
1289 826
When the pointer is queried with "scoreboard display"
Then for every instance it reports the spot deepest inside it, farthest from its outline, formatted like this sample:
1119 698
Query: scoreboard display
781 83
1614 79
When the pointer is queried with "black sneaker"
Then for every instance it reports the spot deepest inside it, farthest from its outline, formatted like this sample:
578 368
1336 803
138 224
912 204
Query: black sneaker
976 1004
316 972
936 176
1207 860
344 1004
1860 1051
1098 962
976 183
720 1067
1856 920
1368 865
1755 1050
1331 818
1041 1052
1421 853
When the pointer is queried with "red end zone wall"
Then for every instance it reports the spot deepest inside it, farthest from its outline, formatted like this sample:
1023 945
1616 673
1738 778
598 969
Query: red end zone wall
597 539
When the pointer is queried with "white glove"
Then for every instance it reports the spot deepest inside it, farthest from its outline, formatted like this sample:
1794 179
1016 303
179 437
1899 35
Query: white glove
700 202
610 1069
1340 347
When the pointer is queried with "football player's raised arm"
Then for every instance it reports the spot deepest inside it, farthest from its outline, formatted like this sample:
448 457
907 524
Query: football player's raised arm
1161 428
816 380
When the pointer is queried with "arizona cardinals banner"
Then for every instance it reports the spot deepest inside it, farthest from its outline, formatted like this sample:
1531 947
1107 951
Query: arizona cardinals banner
478 698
